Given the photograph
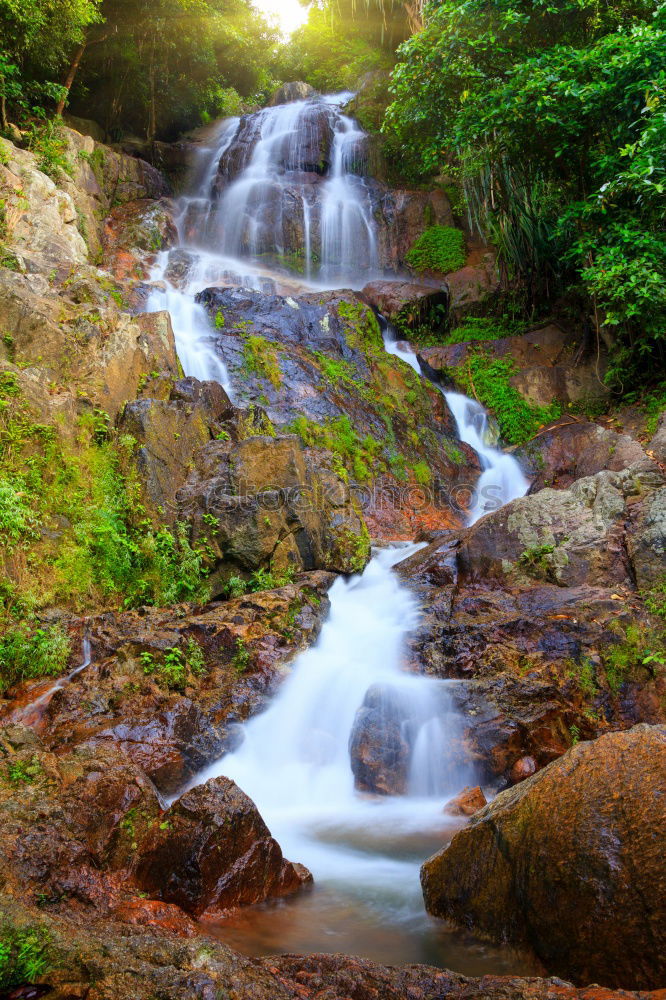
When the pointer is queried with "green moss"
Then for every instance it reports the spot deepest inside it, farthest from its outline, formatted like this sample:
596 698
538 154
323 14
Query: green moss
260 358
487 379
356 455
365 333
422 473
25 955
439 248
484 328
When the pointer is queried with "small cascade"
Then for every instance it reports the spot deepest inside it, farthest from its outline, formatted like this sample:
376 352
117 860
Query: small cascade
31 714
502 480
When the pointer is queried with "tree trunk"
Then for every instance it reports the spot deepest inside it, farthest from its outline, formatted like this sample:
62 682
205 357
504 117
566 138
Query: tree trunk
3 105
414 9
69 79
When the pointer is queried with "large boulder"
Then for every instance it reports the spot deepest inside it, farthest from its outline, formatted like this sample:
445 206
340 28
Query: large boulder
573 449
572 537
265 501
570 863
214 853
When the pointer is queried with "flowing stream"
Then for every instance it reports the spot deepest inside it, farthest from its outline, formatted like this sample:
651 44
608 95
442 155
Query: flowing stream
293 176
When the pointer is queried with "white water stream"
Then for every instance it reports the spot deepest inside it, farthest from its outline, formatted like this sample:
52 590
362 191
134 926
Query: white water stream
364 850
502 480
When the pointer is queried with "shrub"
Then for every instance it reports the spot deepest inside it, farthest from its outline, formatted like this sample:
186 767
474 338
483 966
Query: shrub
26 654
439 248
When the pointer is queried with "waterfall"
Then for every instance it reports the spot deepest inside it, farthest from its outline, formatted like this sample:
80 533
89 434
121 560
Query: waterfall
502 480
354 759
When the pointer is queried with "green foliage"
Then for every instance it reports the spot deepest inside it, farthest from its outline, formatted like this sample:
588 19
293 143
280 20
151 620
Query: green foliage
23 773
46 140
159 67
25 955
108 549
553 118
487 379
439 248
175 667
260 579
242 657
336 47
27 653
637 648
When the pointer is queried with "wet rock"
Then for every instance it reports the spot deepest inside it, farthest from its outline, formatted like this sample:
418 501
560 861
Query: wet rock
523 768
402 216
467 803
403 299
266 501
169 431
289 92
569 537
216 853
125 959
581 837
321 357
173 732
573 449
133 235
378 749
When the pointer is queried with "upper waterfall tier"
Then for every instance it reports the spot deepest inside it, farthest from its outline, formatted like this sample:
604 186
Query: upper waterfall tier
288 188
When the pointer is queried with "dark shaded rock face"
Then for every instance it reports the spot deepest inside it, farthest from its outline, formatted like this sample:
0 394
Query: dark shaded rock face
321 357
379 750
582 841
216 853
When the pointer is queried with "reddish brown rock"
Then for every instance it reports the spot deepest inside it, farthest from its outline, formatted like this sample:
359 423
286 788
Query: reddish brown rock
580 844
214 853
392 297
467 803
153 913
573 449
523 768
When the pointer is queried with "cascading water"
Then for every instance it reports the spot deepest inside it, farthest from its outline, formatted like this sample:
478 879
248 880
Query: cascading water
502 480
283 186
280 189
364 850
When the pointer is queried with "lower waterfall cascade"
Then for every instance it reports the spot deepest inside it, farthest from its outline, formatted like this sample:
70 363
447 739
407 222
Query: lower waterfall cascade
294 760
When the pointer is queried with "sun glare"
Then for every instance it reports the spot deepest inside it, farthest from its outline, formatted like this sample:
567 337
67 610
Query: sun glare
289 14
